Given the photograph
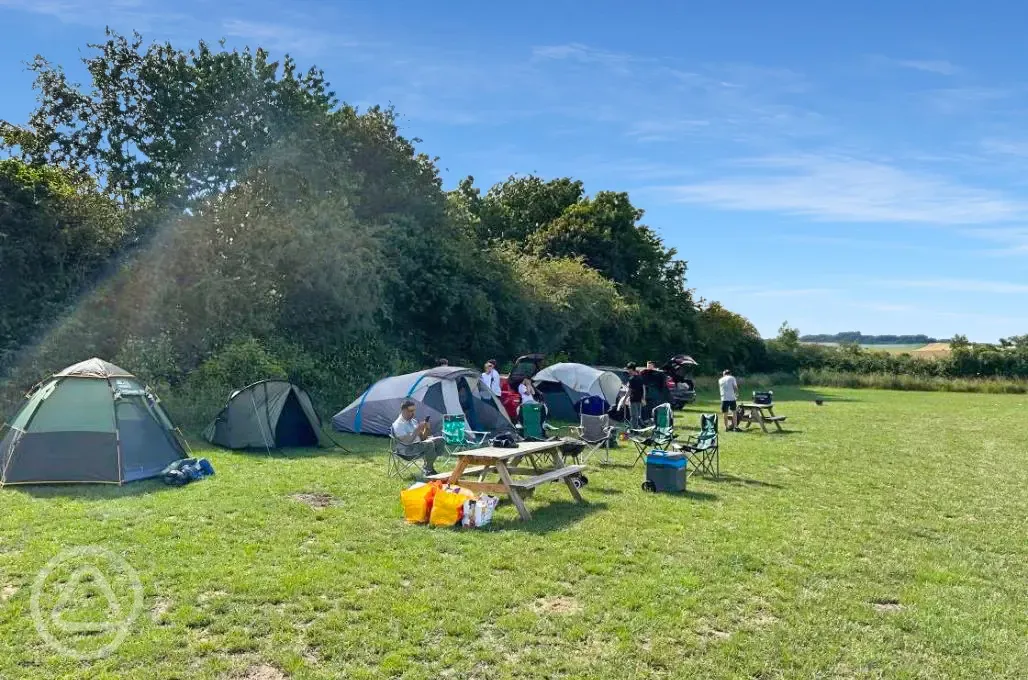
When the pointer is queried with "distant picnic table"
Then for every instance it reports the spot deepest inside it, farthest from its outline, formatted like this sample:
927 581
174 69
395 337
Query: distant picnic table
512 483
762 414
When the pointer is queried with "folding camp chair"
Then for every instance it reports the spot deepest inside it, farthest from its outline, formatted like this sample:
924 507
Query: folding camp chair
660 435
532 426
400 465
595 433
458 437
702 449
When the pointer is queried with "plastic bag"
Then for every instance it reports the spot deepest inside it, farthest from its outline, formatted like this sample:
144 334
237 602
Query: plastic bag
417 502
478 512
447 507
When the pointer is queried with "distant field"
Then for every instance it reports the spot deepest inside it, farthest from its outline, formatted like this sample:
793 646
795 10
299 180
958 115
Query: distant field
892 349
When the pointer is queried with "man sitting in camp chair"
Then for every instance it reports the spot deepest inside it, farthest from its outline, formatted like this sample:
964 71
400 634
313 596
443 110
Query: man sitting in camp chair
414 440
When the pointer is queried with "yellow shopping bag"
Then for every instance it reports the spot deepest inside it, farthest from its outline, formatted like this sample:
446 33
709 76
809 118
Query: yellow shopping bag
417 502
447 507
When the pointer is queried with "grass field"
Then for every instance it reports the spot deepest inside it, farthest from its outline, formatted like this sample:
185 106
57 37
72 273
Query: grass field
886 535
891 349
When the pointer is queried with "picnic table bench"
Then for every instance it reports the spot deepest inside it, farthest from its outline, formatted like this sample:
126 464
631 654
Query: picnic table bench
755 413
480 462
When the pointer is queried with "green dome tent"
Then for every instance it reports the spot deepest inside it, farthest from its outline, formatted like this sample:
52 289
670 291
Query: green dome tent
268 414
92 422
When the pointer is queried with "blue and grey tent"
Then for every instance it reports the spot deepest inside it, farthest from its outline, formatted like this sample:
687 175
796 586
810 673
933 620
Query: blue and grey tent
437 392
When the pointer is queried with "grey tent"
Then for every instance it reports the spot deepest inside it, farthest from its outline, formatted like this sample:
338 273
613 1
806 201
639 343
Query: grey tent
268 414
437 392
92 422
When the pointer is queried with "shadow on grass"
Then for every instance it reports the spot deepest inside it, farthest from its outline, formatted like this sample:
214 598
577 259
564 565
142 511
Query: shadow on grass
617 466
771 431
264 454
743 481
93 491
342 445
553 516
688 495
602 490
710 403
787 394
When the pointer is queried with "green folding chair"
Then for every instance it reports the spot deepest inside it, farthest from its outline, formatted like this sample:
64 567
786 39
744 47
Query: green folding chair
532 426
458 436
660 435
702 449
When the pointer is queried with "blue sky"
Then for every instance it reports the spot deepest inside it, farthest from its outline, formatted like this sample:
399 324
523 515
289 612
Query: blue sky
852 168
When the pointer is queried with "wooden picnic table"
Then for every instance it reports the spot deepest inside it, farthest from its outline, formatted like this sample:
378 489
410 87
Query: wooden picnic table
505 463
755 413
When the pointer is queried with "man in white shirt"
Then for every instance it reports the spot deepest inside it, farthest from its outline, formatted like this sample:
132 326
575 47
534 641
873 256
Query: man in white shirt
729 388
491 378
414 440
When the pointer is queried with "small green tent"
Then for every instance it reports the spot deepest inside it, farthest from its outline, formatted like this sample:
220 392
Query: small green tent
92 422
269 414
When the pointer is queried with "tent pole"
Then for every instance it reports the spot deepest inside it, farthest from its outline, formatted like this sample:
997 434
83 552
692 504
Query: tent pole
117 428
5 458
260 425
267 415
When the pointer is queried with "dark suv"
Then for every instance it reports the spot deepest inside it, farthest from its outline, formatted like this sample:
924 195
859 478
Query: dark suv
680 383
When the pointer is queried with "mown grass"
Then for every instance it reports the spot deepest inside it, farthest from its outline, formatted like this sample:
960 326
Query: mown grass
874 381
883 536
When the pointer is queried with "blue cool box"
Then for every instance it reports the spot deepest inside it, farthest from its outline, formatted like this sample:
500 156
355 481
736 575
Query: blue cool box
666 471
664 459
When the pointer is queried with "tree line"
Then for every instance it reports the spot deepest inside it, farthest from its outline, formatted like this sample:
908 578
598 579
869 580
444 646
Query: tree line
208 217
858 338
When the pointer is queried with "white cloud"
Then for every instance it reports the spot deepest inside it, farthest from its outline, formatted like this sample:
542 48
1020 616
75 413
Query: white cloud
125 15
763 292
583 54
1008 147
661 130
957 100
939 66
851 190
962 286
287 38
886 307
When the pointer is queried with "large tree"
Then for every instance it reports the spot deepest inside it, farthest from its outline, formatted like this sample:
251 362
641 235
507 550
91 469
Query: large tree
161 125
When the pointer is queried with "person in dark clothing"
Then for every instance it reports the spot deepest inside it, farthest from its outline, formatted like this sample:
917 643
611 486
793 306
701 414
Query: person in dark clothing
636 392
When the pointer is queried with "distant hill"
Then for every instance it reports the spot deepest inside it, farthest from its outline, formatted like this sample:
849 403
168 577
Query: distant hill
861 339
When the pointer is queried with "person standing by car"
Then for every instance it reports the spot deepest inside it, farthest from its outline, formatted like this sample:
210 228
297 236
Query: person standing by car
491 378
729 388
636 392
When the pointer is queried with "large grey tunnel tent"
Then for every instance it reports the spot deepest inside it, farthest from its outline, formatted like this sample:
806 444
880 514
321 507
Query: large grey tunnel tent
92 422
439 391
268 414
